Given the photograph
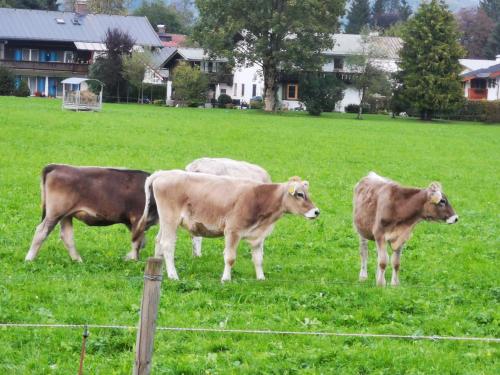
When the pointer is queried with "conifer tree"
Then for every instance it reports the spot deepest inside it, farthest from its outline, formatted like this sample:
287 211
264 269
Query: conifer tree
358 16
429 60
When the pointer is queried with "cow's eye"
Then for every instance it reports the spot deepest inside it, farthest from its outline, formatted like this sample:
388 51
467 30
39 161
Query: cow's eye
442 202
301 195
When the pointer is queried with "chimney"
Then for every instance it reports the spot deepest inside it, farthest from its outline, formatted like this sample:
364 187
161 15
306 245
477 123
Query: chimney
81 7
161 29
497 58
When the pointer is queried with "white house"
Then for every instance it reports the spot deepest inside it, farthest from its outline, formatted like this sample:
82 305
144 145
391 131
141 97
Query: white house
246 82
481 79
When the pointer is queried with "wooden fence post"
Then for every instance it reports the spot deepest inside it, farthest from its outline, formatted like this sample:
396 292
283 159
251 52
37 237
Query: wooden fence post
149 312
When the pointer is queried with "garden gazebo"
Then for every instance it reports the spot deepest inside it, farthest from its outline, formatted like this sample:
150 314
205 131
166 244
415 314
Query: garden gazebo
77 95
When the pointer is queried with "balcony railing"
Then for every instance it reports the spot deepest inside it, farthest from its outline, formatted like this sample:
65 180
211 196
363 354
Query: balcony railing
478 94
218 77
76 68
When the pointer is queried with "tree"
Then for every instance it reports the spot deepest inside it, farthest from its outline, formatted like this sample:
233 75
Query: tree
158 13
320 92
278 34
358 16
491 8
134 68
108 67
189 83
492 48
475 26
29 4
7 81
405 10
429 60
386 13
108 6
368 78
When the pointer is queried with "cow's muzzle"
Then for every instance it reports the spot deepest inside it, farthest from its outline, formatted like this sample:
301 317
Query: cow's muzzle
452 219
313 213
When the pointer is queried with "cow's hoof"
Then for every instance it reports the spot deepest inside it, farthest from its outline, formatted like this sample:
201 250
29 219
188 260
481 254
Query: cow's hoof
261 278
225 280
79 260
173 277
363 277
129 257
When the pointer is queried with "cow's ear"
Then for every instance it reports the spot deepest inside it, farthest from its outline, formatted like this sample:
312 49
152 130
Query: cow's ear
295 179
306 184
435 196
435 186
292 188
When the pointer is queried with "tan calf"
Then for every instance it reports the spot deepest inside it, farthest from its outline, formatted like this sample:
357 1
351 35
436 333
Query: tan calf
225 167
216 206
386 212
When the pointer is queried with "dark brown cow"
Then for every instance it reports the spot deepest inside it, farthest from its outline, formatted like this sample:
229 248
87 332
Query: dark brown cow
97 196
384 211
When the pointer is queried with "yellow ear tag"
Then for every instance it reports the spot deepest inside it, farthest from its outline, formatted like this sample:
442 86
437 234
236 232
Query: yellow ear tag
291 190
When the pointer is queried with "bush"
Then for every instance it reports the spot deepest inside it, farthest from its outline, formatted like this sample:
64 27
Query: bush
354 108
224 99
7 81
256 103
475 110
320 92
23 90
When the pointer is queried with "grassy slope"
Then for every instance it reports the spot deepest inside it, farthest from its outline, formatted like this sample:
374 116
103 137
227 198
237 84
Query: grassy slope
449 273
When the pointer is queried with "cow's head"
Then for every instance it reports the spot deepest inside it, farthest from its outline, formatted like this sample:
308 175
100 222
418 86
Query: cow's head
297 199
437 206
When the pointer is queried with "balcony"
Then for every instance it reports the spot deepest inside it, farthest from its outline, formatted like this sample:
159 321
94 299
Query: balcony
58 67
226 78
477 94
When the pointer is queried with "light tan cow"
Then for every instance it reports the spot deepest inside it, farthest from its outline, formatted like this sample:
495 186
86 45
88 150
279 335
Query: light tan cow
225 167
216 206
384 211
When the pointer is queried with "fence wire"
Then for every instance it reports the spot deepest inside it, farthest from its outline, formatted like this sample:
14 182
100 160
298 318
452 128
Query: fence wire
258 332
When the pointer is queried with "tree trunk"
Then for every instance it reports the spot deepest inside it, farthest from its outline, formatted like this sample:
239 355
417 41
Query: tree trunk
270 86
118 92
360 109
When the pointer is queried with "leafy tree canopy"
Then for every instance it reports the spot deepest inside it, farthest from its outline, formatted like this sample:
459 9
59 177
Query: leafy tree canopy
29 4
158 13
358 16
278 34
320 92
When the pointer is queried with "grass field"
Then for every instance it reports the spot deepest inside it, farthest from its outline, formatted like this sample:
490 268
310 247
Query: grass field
449 277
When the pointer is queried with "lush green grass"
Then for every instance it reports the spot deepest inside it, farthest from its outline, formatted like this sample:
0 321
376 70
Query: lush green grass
449 273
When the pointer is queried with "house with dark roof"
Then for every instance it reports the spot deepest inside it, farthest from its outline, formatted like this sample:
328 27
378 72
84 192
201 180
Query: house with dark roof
481 79
44 47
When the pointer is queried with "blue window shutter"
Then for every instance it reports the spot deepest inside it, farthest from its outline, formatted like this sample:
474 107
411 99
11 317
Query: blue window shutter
42 55
18 55
53 56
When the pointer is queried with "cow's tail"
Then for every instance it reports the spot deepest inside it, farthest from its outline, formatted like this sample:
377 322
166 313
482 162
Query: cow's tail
45 171
149 204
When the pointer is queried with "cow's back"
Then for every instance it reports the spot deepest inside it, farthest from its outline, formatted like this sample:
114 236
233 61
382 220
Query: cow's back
229 167
369 192
110 195
200 196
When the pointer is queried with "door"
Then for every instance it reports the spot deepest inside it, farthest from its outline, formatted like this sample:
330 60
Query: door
41 85
52 87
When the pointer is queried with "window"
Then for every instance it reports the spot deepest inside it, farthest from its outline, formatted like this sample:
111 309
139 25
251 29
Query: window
68 56
478 83
26 54
34 53
292 91
491 83
338 63
242 89
222 91
235 90
254 90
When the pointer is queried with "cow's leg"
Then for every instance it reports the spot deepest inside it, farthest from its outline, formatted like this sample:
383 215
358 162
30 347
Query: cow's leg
42 231
167 244
382 260
68 239
232 239
158 250
258 258
363 253
196 246
137 245
396 260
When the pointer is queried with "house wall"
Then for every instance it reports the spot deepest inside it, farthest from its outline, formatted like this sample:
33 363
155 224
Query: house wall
494 92
248 76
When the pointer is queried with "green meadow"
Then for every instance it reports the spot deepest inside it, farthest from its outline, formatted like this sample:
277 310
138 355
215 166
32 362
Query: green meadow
449 273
